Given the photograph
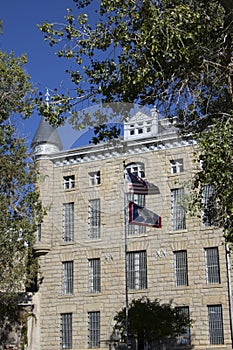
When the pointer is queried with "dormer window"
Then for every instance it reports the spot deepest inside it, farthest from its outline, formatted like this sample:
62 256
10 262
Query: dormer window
69 182
141 125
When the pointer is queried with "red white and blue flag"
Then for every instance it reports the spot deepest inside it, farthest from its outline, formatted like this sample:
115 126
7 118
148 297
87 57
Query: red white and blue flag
141 216
136 185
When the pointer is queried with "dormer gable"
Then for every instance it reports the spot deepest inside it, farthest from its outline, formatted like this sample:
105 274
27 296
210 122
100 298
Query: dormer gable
141 125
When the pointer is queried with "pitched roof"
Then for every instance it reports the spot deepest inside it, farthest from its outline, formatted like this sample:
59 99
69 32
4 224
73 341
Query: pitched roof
46 133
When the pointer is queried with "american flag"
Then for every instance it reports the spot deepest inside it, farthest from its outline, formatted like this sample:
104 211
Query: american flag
136 185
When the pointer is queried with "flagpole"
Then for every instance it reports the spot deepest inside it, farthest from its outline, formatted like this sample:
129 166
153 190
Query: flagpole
126 263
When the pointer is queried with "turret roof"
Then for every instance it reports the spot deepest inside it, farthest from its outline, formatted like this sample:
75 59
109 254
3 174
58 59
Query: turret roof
46 133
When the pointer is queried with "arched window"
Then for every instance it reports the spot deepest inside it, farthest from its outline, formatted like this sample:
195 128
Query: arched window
139 170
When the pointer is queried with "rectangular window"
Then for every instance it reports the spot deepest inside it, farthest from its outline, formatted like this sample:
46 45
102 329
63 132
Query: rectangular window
212 265
215 324
69 182
184 339
68 222
181 268
94 275
94 218
94 178
176 166
209 206
67 277
137 270
38 233
140 200
132 132
178 211
94 329
66 331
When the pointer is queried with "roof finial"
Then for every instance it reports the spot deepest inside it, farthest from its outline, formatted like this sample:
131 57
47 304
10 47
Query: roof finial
47 95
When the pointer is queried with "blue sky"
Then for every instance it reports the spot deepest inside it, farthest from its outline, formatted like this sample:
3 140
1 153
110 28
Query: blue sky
21 35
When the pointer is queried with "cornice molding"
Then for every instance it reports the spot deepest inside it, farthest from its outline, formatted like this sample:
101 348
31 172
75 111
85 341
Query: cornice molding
119 149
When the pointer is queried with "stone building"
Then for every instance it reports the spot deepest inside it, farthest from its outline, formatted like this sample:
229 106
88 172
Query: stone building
83 240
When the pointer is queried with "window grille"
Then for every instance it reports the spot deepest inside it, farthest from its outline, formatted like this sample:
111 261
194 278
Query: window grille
68 222
212 265
139 199
94 275
94 218
176 166
94 329
94 178
208 206
69 182
67 277
181 268
215 324
66 331
137 270
38 233
184 339
178 211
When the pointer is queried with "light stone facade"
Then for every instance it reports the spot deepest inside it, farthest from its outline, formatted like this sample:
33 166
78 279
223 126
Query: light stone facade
155 152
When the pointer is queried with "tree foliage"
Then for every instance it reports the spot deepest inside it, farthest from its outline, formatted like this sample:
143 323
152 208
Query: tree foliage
175 55
20 206
149 321
215 168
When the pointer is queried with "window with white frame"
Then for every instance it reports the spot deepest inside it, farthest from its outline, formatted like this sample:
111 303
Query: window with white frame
178 210
136 169
181 268
69 182
67 277
216 335
68 222
139 199
176 166
212 265
137 270
66 331
132 131
94 275
94 218
93 329
184 338
209 206
94 178
139 128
